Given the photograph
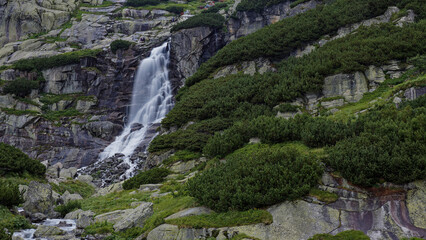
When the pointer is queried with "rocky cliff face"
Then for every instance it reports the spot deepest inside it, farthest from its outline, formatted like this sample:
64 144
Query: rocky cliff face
245 23
21 18
189 49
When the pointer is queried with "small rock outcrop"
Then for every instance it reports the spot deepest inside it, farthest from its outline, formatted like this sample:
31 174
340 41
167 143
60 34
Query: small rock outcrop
48 231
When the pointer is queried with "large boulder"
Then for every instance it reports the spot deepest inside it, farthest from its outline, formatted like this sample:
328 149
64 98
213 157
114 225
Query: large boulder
39 199
135 217
416 204
112 217
68 173
83 218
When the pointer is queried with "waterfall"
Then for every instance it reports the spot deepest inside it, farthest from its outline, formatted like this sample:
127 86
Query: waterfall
151 101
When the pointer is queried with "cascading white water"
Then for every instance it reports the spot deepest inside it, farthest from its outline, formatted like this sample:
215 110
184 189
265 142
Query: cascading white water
151 101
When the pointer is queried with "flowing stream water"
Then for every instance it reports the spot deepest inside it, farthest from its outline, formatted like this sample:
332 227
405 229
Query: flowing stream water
151 101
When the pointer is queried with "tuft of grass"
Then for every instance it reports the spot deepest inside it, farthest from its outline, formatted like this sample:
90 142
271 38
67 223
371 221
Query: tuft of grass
99 228
226 219
74 186
323 196
68 207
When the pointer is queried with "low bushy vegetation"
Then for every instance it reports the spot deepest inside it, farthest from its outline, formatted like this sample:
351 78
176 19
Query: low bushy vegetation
141 3
256 5
120 44
183 155
389 146
43 63
227 219
216 8
14 161
278 40
68 207
152 176
21 87
11 222
10 194
345 235
175 9
213 20
256 176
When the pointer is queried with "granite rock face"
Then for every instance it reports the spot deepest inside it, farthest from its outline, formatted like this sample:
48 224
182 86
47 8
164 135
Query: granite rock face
189 49
21 18
248 22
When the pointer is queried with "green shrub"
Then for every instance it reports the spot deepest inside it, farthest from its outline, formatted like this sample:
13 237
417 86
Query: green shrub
256 176
182 155
14 161
390 147
345 235
21 87
68 207
4 235
175 9
286 107
216 8
99 228
10 194
119 44
54 61
213 20
152 176
278 40
141 3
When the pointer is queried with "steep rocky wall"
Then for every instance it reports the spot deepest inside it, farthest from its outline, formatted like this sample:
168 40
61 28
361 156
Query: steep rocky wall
75 141
189 49
20 18
245 23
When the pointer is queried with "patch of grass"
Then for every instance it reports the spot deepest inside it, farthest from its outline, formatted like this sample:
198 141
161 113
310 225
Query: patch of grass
36 35
74 186
29 101
323 196
242 236
49 98
99 228
182 155
54 39
57 115
172 186
120 44
39 64
346 235
12 222
213 20
165 207
226 219
104 4
113 201
12 111
297 2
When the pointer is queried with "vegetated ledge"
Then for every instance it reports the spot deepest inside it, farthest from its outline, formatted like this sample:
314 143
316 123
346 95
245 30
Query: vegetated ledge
43 63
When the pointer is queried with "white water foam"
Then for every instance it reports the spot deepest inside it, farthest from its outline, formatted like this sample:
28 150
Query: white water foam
151 101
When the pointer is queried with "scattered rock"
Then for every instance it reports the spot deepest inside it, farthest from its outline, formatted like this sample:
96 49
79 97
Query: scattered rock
183 167
112 217
39 199
68 173
136 217
149 187
67 196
